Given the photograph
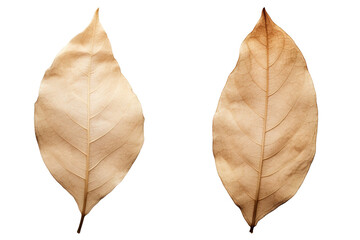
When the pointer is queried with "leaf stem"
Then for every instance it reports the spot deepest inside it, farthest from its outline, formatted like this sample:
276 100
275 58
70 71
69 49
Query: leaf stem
251 229
81 223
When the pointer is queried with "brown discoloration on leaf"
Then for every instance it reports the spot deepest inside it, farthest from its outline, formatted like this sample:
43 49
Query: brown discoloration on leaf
264 129
88 121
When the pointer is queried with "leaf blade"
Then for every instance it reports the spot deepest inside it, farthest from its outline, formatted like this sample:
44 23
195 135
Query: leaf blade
86 110
271 81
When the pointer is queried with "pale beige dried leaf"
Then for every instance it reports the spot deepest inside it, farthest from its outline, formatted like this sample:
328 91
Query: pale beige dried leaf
264 129
88 121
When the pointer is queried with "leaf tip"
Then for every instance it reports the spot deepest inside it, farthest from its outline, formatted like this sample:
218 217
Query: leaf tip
96 15
264 14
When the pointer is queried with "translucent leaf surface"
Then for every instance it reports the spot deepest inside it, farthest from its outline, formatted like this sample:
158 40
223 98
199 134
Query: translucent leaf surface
264 129
88 121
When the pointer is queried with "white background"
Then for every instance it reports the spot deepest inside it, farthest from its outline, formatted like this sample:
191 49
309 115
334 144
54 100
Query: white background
177 56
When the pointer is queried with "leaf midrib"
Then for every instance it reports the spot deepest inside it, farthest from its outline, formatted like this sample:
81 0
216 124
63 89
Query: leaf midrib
256 201
86 186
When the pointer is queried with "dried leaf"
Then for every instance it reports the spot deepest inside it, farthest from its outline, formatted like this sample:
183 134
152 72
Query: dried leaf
264 129
88 121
